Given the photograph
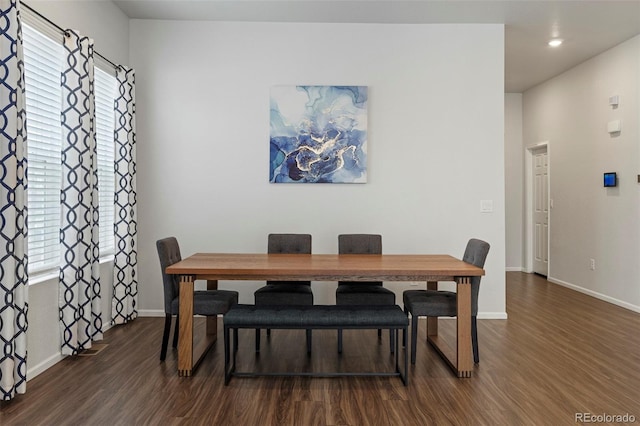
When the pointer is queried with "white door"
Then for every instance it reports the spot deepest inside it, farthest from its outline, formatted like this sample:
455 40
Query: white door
540 212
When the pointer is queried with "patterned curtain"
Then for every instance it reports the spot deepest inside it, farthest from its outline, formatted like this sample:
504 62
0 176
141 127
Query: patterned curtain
125 264
80 305
13 230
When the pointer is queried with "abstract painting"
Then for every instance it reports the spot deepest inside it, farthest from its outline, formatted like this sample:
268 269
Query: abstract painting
318 134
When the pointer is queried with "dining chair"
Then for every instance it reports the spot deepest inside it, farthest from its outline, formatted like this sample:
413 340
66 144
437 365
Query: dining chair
363 293
439 303
205 302
286 293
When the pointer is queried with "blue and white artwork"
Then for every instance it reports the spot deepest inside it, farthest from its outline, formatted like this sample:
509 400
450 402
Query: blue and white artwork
318 134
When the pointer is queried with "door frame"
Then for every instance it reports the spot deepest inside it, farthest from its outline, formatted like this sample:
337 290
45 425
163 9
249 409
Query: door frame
528 205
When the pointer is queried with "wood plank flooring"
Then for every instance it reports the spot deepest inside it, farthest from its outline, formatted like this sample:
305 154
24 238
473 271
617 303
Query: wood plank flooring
559 353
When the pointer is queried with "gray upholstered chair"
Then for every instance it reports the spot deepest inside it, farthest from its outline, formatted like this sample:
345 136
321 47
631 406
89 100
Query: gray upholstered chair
286 292
206 302
434 303
363 293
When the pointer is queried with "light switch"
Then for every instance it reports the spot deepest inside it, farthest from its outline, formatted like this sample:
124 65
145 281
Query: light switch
486 206
614 126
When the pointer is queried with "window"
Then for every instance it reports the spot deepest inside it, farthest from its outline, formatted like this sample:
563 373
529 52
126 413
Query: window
105 88
42 71
43 93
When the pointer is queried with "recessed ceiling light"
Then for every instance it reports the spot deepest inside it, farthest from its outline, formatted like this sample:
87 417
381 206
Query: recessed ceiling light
555 42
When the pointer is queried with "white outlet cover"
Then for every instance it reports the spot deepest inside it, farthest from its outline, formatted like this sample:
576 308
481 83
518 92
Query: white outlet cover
486 206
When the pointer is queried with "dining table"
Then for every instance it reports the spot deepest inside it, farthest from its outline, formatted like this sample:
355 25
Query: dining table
321 268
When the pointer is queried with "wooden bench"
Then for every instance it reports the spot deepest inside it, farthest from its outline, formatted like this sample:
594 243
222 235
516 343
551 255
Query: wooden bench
337 317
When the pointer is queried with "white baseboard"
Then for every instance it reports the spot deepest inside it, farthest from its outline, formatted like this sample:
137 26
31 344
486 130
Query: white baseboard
514 269
151 313
492 315
595 294
44 365
481 315
51 361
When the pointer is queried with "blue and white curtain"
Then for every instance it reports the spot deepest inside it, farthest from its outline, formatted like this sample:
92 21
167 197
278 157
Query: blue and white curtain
13 230
125 276
80 303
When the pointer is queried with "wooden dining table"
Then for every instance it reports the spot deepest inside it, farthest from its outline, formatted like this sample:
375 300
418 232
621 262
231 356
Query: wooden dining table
427 268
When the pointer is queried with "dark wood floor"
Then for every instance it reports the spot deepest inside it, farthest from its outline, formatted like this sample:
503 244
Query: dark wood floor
559 353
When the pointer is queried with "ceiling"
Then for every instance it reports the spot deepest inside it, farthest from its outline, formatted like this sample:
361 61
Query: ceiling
587 27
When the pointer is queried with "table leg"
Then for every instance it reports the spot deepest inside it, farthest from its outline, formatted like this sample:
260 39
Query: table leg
464 361
185 336
432 322
212 321
459 359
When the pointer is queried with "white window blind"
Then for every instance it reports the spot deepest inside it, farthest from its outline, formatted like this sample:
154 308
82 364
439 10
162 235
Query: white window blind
105 89
42 58
42 70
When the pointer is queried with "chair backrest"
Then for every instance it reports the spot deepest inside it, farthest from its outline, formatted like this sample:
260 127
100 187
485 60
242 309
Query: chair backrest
289 244
475 254
360 244
169 253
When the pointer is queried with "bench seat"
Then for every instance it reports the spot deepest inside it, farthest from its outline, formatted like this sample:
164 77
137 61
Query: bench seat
312 317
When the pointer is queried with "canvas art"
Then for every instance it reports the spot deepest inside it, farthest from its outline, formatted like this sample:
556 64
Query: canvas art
318 134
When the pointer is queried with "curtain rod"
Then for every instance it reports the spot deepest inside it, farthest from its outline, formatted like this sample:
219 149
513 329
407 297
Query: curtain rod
63 31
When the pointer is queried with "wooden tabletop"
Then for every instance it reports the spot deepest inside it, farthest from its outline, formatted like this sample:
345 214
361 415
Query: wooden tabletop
324 267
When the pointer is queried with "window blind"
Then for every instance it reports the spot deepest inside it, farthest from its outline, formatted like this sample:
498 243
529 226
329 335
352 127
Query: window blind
42 70
105 90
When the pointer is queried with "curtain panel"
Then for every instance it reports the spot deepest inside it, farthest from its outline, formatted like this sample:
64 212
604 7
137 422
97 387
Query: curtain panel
80 302
125 264
13 228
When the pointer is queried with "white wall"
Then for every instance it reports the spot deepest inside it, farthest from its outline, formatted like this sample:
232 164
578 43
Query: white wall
436 141
514 186
588 221
109 28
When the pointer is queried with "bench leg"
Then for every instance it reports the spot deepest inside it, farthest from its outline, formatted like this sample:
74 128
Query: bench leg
227 373
308 341
235 340
392 334
229 353
339 340
396 355
258 340
403 376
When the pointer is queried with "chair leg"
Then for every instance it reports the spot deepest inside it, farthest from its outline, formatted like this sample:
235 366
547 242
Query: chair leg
308 341
339 341
414 337
474 339
176 331
165 337
392 339
257 340
268 332
379 333
404 330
